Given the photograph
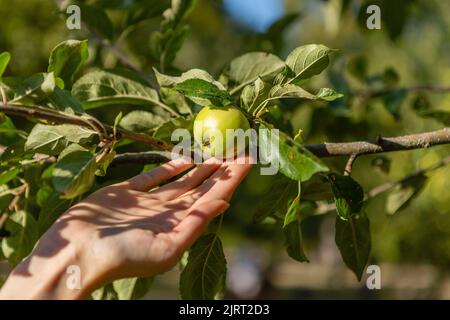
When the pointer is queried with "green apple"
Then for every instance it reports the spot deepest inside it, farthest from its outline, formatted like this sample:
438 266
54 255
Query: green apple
211 130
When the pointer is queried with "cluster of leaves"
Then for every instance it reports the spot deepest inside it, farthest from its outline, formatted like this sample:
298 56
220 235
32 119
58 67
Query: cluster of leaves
50 167
256 81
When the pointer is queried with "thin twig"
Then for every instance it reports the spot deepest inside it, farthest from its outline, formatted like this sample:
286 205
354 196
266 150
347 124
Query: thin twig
4 97
349 165
324 208
62 118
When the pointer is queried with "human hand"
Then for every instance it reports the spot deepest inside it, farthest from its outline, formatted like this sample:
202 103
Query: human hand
124 230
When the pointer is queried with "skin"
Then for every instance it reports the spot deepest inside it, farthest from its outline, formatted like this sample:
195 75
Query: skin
125 230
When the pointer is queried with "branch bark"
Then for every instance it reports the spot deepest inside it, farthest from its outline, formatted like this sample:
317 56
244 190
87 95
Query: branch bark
381 145
149 157
91 123
354 149
349 166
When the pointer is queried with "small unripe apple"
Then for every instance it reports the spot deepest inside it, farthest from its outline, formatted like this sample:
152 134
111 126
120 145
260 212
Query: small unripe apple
211 130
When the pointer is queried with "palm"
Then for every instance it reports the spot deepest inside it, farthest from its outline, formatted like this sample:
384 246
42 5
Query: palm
149 230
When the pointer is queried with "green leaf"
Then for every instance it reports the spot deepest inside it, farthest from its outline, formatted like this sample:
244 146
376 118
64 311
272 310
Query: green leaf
141 121
104 161
38 86
179 10
5 57
74 173
103 88
204 275
165 46
14 154
293 212
290 91
275 202
254 94
106 292
357 67
328 94
52 206
293 91
348 195
443 116
62 100
5 199
67 58
421 103
71 148
171 81
144 10
97 21
353 240
175 100
8 174
118 120
293 241
132 288
276 30
206 91
9 134
251 66
382 163
295 161
393 101
165 130
52 140
308 61
316 190
400 197
23 229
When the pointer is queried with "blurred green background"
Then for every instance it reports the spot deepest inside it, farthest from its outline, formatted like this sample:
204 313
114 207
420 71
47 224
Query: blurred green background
412 48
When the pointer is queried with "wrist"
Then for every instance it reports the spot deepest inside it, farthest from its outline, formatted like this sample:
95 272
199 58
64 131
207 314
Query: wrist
58 268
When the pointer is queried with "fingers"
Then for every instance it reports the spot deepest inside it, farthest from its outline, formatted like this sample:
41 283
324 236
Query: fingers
191 180
222 184
227 184
191 227
144 181
193 195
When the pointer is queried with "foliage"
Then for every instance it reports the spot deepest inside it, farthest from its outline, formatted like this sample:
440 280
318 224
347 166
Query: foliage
53 165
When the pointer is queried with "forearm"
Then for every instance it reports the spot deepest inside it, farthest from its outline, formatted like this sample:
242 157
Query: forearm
57 269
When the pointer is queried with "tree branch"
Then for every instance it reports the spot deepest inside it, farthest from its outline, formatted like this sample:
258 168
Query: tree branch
324 208
380 145
149 157
62 118
351 149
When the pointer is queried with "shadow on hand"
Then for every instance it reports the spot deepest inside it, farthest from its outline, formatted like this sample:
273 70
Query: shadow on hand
122 213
